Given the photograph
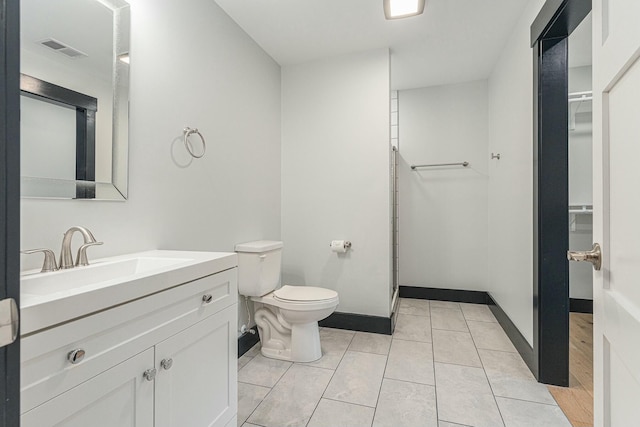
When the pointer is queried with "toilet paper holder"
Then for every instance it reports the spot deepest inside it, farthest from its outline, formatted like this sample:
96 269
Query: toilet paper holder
347 244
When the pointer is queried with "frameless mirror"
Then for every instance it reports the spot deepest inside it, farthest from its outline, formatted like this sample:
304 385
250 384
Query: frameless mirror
74 108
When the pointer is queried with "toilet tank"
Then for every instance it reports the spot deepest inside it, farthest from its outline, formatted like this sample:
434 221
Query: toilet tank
259 266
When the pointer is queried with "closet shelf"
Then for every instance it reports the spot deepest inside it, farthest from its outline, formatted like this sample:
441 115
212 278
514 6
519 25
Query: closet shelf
581 96
581 209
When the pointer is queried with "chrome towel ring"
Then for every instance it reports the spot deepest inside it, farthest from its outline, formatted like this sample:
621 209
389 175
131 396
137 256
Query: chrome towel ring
187 132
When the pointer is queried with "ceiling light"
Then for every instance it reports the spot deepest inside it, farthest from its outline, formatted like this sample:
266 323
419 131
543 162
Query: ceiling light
395 9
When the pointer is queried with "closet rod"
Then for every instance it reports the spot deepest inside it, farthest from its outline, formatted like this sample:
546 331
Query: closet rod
463 164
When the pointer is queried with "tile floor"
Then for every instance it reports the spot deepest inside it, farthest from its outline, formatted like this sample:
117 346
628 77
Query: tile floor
447 365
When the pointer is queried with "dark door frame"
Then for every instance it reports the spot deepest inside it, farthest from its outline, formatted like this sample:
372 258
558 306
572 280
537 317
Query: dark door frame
549 39
10 200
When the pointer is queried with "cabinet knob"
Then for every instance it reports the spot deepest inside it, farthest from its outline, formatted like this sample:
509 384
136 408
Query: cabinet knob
166 364
76 356
149 374
207 298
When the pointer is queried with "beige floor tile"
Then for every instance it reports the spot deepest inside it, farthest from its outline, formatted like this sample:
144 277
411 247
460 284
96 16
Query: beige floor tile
413 328
478 312
490 336
263 371
417 307
404 404
444 304
446 424
448 319
243 360
293 400
518 413
465 397
371 343
455 347
411 361
253 351
333 413
510 377
249 397
357 379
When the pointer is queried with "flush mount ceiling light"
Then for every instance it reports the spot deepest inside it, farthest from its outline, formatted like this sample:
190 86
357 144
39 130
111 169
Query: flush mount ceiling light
396 9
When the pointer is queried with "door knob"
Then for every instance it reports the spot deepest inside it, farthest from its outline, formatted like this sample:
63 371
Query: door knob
594 256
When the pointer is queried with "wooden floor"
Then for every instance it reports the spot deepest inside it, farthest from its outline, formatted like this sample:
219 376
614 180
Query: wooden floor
577 400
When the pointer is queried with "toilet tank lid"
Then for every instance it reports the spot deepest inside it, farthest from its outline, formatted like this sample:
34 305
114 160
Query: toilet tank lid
259 246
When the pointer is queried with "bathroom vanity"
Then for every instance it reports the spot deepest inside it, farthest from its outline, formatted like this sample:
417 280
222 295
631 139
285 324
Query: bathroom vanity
147 339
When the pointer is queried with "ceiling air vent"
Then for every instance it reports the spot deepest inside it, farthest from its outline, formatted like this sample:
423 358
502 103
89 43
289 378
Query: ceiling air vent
62 48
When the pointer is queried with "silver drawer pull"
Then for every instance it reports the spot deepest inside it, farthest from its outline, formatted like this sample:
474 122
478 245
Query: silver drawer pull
76 356
207 298
166 364
149 374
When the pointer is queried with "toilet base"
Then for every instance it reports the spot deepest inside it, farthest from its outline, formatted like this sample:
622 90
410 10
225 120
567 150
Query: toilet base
305 345
299 342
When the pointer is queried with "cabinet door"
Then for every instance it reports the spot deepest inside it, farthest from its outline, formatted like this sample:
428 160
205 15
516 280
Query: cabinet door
120 396
198 387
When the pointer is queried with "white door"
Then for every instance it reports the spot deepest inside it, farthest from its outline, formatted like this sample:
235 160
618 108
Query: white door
616 118
197 374
120 396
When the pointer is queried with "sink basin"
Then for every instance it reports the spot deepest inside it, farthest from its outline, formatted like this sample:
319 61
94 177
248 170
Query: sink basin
48 299
98 272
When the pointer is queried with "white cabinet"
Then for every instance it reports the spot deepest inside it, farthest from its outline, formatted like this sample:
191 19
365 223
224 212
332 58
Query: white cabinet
192 389
187 334
120 396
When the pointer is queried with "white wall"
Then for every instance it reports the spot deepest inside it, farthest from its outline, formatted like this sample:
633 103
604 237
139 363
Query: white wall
335 178
443 211
190 65
511 177
580 182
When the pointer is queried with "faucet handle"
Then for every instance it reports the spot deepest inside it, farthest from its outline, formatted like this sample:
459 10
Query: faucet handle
81 258
49 263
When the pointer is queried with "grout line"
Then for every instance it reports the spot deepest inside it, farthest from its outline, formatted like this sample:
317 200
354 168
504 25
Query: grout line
451 422
450 330
488 381
350 403
271 390
410 382
458 364
529 401
433 358
330 379
384 371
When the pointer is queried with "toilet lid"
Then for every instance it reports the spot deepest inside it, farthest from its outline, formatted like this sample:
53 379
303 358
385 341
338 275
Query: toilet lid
304 293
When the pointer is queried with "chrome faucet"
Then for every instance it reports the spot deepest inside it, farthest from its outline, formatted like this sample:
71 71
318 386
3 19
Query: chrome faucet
66 259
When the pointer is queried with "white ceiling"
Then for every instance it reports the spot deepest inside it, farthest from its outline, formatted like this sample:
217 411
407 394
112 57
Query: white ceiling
453 41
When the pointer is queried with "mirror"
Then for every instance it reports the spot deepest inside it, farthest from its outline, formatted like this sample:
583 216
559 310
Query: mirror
74 104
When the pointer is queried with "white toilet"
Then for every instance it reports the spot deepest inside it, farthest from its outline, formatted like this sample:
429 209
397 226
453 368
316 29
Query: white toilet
287 317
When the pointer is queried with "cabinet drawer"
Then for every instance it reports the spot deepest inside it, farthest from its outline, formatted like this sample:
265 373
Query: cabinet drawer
116 334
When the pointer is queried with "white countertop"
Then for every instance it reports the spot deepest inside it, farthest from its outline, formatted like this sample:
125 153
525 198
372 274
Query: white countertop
46 309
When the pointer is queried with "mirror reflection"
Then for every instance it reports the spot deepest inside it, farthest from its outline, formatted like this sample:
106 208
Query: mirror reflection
74 103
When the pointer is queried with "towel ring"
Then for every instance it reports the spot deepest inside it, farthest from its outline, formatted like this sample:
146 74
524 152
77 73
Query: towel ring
187 132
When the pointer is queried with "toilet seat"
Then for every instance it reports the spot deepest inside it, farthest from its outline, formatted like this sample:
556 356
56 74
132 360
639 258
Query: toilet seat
303 294
307 298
